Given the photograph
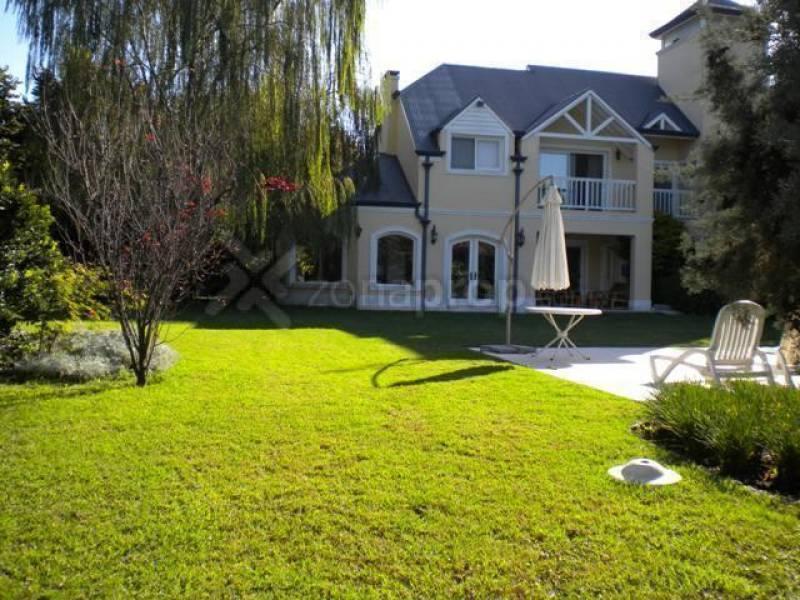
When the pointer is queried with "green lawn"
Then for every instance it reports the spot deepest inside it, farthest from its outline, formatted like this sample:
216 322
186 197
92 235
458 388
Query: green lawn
365 454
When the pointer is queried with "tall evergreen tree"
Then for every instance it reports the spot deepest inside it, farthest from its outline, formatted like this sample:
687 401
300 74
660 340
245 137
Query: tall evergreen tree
746 241
12 121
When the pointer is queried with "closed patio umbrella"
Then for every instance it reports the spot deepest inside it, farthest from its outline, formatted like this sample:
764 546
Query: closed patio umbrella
550 270
550 257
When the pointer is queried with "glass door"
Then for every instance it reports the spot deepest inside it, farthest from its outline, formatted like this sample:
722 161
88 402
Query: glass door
588 171
555 164
473 273
485 291
460 272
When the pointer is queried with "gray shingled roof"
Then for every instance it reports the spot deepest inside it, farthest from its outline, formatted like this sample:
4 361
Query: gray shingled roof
524 98
718 6
393 189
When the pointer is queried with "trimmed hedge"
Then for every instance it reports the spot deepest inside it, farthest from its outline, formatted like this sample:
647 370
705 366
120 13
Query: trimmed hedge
750 431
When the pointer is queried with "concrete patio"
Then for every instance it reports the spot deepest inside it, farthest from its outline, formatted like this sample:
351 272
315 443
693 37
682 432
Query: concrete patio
621 371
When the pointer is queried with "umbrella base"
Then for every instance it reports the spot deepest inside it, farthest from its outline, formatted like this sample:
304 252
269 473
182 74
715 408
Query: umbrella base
508 349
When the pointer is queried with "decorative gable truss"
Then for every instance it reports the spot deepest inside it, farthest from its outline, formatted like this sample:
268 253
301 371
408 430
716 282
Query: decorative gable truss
663 123
588 117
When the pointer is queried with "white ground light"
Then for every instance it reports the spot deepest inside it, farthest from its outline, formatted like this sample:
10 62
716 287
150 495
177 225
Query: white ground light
644 471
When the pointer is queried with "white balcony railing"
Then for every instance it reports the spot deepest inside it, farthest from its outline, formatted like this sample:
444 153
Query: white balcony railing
672 202
583 193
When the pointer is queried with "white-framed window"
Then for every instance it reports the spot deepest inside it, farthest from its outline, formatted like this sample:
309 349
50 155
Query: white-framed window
478 154
322 263
394 258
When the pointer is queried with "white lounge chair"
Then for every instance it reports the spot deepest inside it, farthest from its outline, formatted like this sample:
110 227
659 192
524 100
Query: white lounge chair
734 347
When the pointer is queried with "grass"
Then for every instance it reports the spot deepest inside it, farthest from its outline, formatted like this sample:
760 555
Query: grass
749 430
366 455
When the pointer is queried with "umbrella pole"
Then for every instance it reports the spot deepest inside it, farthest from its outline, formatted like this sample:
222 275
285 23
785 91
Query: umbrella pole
510 256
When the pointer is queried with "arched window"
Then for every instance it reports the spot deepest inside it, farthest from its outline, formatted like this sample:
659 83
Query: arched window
395 260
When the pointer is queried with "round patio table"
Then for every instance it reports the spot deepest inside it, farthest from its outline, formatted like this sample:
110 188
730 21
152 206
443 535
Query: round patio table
562 339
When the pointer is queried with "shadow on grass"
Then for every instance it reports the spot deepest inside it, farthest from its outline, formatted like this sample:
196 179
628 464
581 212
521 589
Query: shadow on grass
445 334
21 391
456 375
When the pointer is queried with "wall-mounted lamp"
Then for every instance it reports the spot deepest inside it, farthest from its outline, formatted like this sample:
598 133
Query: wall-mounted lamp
358 231
619 154
434 235
521 237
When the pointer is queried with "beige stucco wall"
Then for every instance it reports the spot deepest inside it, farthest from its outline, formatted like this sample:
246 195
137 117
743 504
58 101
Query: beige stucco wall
672 149
681 69
680 74
458 191
340 295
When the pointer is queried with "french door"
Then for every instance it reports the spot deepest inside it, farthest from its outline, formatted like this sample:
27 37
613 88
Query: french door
473 273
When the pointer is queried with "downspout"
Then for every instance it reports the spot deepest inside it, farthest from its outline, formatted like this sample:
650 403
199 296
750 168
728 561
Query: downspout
425 221
518 161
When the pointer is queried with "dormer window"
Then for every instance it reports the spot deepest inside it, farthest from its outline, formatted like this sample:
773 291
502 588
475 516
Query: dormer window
476 153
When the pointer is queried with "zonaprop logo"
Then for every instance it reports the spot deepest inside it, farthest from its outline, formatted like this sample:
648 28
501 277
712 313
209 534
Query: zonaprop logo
253 284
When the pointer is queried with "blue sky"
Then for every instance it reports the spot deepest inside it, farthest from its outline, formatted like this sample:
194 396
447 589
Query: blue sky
414 36
13 53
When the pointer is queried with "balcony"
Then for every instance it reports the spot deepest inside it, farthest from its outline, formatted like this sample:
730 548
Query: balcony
672 202
583 193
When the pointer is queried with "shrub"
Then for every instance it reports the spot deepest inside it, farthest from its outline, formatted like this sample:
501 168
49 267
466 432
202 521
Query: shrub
85 355
83 292
748 430
37 283
29 257
15 346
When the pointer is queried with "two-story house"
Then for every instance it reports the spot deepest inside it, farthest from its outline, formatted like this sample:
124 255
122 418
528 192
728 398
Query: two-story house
463 145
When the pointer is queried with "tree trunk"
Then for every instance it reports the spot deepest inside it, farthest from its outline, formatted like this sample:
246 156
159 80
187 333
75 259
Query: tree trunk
141 377
790 342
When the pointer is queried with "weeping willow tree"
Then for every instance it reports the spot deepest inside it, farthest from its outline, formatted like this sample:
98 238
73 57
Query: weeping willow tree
168 121
327 148
285 72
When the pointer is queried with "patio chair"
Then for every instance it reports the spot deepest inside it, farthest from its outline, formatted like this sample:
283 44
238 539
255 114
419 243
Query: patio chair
733 349
619 296
597 299
544 298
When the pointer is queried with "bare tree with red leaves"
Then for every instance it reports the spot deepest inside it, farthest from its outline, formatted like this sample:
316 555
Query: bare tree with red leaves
146 184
